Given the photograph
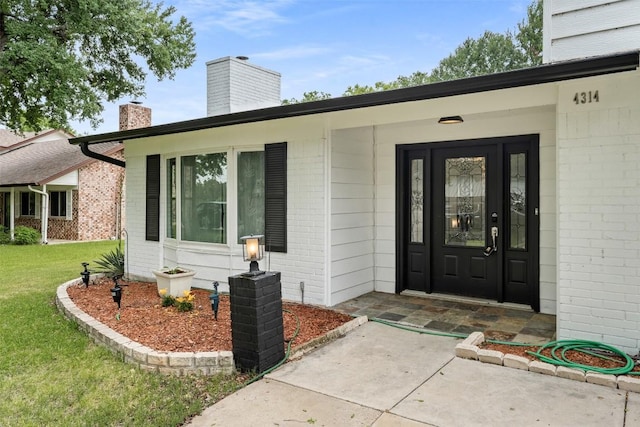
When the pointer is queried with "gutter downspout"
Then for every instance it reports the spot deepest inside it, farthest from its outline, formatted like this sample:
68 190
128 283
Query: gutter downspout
84 147
44 219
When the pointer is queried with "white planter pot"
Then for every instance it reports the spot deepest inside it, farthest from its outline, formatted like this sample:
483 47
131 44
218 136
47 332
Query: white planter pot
175 284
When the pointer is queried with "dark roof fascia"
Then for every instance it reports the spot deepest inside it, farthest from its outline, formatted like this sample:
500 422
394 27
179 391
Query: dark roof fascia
26 184
548 73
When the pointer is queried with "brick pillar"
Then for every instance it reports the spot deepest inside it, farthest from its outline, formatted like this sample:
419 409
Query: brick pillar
256 321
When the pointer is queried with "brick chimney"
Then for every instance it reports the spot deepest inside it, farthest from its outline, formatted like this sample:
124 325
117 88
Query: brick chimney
134 116
233 85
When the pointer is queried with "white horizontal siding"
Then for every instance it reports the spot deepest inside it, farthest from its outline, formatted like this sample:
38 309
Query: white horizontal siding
583 28
564 6
352 213
589 20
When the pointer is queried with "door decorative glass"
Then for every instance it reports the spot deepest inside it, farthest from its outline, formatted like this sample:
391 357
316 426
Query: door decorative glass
517 204
465 201
417 200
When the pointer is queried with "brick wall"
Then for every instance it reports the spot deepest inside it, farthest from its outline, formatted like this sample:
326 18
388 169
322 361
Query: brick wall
599 212
99 210
60 228
306 237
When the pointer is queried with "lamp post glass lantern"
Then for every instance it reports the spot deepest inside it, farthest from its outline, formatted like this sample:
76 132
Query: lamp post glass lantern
253 251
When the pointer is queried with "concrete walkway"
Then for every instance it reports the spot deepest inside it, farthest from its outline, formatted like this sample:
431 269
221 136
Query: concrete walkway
383 376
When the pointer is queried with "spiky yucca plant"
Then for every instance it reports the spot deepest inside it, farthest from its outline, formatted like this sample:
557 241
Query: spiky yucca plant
111 263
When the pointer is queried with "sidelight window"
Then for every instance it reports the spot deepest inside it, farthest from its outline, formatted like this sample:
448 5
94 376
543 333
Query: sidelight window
518 201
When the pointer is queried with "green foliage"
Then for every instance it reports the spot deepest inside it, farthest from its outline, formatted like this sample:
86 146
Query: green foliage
168 300
51 371
489 54
186 302
111 263
5 236
182 304
529 34
416 79
308 97
25 236
60 60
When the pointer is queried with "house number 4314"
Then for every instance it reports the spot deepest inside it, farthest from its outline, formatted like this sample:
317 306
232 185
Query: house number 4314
586 97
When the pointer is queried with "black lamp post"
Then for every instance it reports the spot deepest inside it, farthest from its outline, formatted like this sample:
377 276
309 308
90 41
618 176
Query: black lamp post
215 300
116 291
85 274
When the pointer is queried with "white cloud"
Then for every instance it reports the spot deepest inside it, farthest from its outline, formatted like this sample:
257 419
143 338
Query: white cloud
247 18
293 52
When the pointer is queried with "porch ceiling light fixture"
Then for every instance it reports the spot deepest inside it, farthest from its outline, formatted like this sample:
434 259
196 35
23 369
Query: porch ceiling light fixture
450 120
253 251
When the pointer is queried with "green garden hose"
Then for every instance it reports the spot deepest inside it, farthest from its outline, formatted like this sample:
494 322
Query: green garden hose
561 347
558 350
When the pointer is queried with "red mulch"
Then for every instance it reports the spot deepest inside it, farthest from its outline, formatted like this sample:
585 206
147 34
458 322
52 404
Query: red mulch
144 320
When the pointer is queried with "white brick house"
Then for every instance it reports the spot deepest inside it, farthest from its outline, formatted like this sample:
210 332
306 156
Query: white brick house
380 196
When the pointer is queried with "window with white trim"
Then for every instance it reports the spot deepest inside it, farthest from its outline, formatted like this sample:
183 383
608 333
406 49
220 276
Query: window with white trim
58 204
203 198
197 202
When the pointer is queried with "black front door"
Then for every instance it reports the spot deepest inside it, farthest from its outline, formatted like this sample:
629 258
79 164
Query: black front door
468 218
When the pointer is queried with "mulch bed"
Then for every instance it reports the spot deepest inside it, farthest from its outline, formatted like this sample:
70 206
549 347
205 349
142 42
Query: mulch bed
143 319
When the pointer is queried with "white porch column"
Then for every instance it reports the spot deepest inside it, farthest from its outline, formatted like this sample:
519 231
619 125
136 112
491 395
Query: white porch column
12 211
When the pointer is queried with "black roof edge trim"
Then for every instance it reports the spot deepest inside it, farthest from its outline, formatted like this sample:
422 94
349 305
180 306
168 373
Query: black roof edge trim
84 147
547 73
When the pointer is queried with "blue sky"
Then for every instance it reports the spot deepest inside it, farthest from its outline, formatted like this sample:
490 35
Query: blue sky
324 45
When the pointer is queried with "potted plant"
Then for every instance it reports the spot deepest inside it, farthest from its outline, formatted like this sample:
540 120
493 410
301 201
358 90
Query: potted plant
175 280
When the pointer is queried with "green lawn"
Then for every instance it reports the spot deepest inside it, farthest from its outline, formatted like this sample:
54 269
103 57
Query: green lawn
52 374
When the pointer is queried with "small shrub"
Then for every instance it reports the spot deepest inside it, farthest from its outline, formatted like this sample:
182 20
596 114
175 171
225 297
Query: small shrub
182 304
167 299
25 236
5 237
111 263
185 303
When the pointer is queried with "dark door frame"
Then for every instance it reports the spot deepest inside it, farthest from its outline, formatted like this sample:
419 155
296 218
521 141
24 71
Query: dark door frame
403 152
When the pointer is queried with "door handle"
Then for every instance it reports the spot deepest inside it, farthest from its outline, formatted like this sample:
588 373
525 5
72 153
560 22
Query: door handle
494 247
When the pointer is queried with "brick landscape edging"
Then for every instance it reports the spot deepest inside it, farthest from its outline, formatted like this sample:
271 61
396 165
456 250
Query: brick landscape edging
469 349
166 362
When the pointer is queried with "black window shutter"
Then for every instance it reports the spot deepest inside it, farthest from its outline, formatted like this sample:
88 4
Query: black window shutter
275 186
153 198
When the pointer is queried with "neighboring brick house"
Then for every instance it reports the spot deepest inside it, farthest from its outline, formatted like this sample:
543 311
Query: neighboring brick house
84 196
